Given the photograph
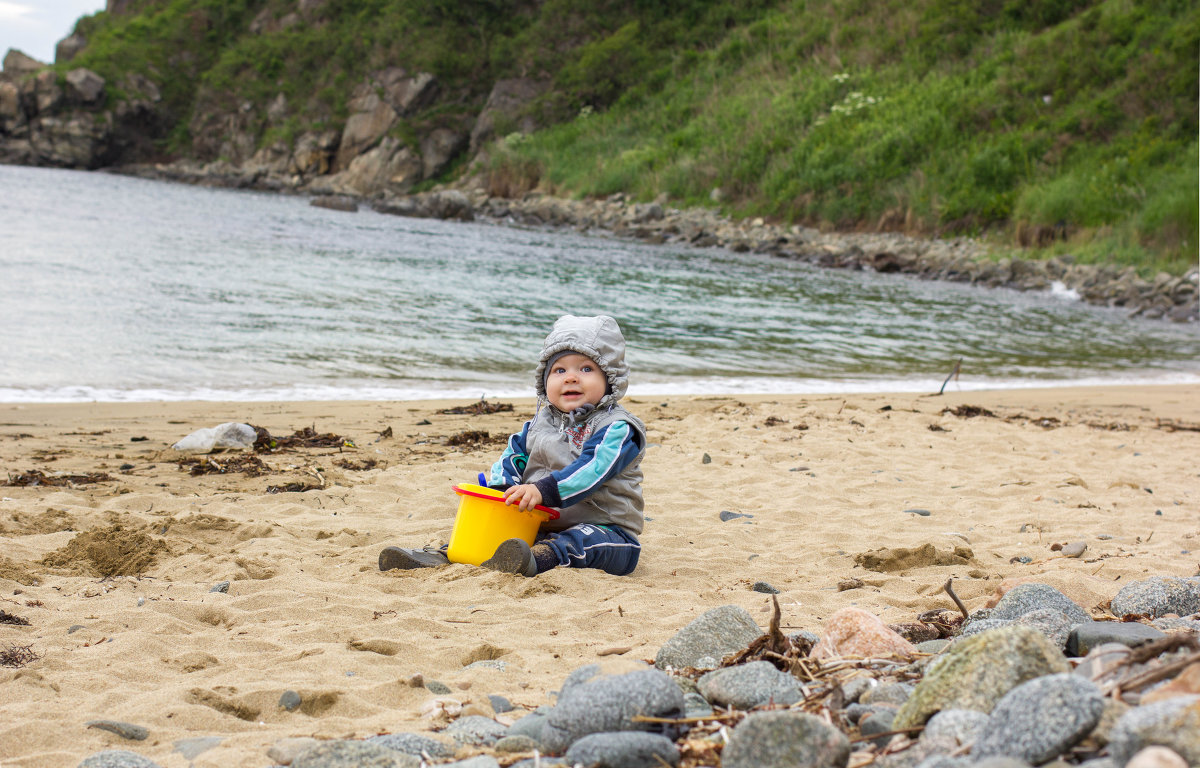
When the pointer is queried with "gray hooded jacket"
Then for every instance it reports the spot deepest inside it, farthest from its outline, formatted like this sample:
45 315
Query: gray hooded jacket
619 500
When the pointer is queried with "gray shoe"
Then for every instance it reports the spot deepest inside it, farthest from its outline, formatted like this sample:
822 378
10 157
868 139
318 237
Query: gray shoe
405 559
512 556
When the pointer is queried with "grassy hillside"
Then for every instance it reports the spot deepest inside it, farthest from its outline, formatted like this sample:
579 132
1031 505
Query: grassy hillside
1067 125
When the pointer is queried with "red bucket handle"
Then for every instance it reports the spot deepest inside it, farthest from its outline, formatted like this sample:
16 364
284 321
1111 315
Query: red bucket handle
550 511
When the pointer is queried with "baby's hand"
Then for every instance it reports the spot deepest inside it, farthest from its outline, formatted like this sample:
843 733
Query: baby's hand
525 496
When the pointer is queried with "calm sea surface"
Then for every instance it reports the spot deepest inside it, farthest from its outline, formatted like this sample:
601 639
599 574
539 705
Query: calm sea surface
114 288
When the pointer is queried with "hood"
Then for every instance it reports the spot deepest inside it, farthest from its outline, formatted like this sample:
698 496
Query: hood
597 337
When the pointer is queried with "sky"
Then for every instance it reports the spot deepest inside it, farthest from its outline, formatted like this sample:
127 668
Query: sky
34 27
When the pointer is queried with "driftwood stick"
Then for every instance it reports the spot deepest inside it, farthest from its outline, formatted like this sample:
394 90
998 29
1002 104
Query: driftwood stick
950 591
953 375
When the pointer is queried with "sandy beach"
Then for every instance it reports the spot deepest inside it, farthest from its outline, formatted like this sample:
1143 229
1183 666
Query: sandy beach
112 566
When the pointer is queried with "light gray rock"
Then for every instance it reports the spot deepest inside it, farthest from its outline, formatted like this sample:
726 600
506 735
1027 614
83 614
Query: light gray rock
117 758
609 704
284 751
1024 598
747 686
785 738
1051 622
85 86
952 728
1158 596
414 744
353 754
705 640
516 744
69 47
531 725
191 748
504 110
894 694
124 730
1172 723
623 750
476 731
1041 719
479 761
979 626
19 63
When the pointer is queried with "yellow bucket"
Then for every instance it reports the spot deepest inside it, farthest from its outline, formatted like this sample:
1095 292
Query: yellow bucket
484 521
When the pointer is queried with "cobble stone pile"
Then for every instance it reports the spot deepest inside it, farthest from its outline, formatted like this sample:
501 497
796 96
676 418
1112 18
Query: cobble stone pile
1006 691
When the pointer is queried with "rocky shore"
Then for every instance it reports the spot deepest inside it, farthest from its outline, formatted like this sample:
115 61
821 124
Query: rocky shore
962 260
1034 680
72 122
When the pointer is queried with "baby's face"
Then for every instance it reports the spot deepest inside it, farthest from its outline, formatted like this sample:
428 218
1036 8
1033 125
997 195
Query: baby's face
574 380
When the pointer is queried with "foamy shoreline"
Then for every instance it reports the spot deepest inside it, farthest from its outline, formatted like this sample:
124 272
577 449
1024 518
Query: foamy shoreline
822 477
691 387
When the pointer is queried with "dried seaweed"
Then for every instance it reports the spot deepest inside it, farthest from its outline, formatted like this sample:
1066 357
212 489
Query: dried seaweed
247 464
18 656
968 411
477 409
357 466
293 488
301 438
35 477
1176 426
473 439
8 618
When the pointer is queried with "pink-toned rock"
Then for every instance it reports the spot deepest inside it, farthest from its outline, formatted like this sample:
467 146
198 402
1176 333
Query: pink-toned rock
853 632
1156 757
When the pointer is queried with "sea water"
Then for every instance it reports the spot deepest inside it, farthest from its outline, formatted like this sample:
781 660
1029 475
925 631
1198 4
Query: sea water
117 288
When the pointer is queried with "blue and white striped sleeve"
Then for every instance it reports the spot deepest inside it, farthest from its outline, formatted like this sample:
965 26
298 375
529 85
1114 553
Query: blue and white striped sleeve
604 456
509 468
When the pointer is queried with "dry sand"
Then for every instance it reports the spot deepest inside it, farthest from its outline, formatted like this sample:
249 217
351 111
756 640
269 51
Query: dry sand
822 478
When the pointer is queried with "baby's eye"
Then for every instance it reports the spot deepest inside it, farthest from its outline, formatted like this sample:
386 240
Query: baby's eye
560 369
586 368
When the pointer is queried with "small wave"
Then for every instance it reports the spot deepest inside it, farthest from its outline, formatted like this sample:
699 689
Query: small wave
651 387
1059 290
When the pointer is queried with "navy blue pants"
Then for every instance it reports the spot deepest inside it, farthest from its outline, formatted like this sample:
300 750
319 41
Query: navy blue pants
610 548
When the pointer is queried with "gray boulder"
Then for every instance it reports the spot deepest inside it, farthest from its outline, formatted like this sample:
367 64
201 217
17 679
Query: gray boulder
1158 596
1172 723
609 704
623 750
69 47
747 686
709 637
414 744
117 758
353 754
952 728
1041 719
785 738
1024 598
476 731
85 86
18 63
505 110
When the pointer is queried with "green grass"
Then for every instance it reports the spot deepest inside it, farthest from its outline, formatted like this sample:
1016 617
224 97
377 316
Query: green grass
1018 120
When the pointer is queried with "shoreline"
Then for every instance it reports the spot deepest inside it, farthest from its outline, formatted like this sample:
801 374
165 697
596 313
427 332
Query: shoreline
1175 298
817 480
700 388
